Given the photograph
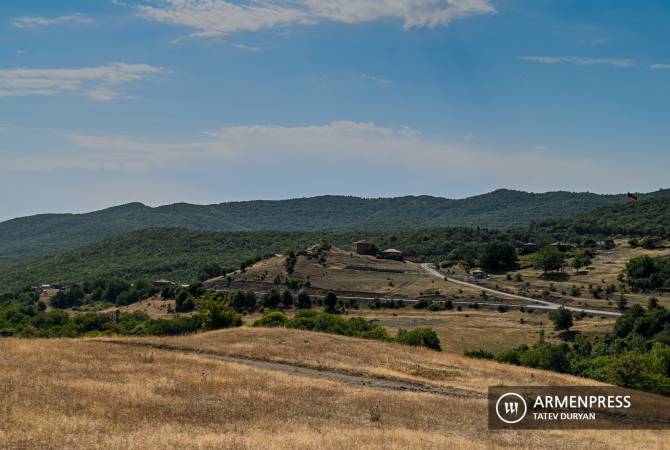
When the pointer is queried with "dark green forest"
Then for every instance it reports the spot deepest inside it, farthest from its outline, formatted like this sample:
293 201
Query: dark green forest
49 234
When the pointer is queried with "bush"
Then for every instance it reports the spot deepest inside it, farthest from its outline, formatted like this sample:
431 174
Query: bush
272 319
419 337
304 300
216 315
184 302
479 354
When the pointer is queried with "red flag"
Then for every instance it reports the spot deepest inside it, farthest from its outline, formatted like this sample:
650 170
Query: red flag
632 197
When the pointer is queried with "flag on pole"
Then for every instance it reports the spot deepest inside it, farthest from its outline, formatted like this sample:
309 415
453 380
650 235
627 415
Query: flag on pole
632 197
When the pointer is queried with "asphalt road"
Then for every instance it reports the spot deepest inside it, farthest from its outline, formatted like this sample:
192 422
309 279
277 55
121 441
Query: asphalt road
544 303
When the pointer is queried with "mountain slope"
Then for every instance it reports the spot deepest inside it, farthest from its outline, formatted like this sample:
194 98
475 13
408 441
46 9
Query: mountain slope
51 233
644 218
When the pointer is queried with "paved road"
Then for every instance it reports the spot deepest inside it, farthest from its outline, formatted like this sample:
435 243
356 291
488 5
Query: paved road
545 304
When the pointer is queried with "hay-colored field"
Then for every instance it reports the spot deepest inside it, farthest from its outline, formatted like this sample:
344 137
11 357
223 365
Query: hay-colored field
155 307
481 329
346 272
80 394
484 329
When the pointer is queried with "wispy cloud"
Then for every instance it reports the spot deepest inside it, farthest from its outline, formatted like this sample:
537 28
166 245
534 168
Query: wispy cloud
660 67
98 83
378 80
614 62
375 149
27 22
211 18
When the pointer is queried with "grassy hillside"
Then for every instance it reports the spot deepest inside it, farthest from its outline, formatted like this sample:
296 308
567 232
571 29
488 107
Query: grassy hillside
269 399
51 233
644 218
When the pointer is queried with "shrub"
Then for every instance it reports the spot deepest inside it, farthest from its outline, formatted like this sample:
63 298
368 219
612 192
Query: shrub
419 337
272 319
479 354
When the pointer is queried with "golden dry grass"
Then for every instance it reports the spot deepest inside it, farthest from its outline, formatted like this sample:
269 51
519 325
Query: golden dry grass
155 307
483 329
359 356
80 394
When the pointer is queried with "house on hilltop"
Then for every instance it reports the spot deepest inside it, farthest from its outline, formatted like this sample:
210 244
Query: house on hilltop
392 253
364 247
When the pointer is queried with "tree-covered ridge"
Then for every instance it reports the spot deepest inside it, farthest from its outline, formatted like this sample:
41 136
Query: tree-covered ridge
183 255
644 218
52 233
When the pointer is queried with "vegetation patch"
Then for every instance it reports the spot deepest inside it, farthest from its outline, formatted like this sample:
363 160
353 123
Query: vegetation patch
354 327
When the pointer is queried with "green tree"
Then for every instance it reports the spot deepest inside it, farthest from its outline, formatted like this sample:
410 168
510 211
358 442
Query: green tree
549 259
216 315
272 299
330 301
251 301
498 255
184 302
287 298
582 259
562 319
304 300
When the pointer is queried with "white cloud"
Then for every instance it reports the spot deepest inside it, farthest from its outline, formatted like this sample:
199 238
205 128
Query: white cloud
337 149
659 66
98 83
615 62
26 22
211 18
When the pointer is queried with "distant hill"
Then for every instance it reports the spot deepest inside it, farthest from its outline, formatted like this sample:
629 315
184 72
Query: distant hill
52 233
644 218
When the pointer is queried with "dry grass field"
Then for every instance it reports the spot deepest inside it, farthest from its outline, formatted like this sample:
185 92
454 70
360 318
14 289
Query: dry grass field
86 394
484 329
80 394
155 307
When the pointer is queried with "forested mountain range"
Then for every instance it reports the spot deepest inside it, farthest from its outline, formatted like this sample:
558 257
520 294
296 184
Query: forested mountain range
47 234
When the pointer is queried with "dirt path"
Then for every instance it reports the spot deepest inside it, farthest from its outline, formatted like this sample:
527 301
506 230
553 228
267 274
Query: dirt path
368 381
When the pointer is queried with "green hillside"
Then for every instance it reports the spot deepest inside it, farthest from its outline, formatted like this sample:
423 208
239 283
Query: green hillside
180 254
52 233
644 218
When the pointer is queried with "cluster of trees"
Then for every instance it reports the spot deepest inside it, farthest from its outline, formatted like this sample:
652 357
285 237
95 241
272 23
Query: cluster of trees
109 290
355 327
248 302
636 354
495 255
22 314
648 273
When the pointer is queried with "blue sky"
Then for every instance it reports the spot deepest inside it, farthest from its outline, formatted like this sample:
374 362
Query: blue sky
110 101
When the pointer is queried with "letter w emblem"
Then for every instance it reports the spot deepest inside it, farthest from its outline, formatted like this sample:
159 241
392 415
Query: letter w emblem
511 407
